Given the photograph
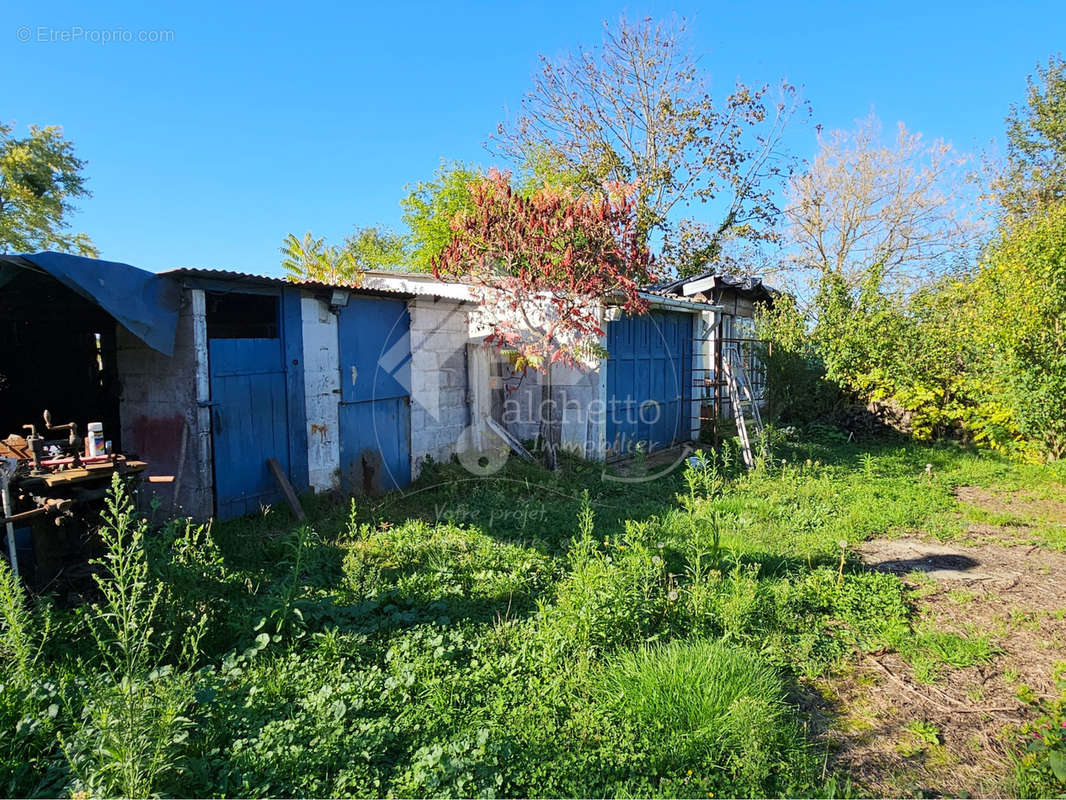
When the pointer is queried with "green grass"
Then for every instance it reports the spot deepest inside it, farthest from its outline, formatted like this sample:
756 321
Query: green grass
930 652
527 634
702 703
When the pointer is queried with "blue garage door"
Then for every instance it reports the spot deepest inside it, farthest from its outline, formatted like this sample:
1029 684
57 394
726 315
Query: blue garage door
249 422
646 382
375 413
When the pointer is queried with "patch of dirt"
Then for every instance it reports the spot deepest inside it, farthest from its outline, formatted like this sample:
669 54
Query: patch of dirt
1032 506
897 736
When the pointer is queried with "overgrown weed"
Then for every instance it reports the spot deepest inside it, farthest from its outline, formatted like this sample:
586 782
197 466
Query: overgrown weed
533 634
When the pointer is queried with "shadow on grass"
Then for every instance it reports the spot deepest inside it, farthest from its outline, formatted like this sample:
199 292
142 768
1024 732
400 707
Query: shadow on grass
525 504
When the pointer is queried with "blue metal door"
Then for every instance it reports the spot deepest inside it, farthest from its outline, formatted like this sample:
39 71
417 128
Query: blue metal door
646 386
249 422
375 412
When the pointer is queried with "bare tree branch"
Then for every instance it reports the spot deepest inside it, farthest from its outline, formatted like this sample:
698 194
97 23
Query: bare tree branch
637 110
866 203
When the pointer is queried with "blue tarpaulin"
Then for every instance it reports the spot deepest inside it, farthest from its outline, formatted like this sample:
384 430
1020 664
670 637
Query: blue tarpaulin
144 303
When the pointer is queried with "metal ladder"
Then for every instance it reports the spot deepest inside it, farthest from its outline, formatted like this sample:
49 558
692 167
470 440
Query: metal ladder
740 395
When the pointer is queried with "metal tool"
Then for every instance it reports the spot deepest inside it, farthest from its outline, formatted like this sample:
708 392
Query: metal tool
75 446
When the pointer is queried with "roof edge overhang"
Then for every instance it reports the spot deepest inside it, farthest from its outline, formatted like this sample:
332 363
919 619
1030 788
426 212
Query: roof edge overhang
660 301
219 279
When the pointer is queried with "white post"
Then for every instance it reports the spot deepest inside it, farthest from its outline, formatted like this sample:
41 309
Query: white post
601 432
203 391
480 388
7 472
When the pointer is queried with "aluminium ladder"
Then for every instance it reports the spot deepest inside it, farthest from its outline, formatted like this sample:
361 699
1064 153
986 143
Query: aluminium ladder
740 395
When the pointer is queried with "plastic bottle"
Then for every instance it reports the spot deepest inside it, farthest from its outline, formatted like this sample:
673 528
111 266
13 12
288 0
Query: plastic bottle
96 439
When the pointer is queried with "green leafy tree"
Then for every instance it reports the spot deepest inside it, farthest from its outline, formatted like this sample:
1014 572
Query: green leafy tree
1021 294
1035 176
797 387
431 206
374 248
639 110
40 177
311 259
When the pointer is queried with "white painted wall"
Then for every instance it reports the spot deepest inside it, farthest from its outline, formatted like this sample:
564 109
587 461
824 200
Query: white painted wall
321 392
702 361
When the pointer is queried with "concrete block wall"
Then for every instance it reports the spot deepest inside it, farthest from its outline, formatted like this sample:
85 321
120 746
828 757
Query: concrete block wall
576 394
440 332
157 409
321 392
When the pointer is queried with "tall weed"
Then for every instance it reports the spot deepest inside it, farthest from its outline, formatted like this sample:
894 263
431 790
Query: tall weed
22 633
133 721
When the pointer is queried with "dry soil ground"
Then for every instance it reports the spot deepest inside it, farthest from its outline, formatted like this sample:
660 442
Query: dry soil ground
898 735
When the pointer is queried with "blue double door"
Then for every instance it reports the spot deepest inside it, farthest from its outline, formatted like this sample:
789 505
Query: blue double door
647 382
375 406
257 406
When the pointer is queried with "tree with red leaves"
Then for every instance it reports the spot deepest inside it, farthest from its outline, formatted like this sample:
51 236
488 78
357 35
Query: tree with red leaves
542 266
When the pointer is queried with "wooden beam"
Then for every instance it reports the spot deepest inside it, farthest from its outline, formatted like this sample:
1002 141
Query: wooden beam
286 489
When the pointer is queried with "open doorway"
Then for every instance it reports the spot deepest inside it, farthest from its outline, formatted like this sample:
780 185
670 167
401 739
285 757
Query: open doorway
57 352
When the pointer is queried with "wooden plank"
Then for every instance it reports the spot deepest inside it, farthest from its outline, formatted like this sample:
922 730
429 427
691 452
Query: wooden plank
510 440
286 489
205 477
296 409
91 472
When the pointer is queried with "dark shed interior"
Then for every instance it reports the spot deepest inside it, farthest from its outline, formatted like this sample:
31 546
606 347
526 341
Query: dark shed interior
57 352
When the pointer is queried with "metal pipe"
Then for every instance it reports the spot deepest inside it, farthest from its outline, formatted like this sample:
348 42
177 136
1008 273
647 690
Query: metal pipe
11 551
10 519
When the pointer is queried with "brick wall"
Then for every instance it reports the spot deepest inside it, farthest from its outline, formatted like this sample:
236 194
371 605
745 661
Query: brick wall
157 409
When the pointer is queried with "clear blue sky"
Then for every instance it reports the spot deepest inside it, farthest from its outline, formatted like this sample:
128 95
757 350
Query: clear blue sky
260 119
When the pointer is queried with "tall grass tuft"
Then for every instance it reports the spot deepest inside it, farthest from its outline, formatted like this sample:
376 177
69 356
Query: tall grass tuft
708 707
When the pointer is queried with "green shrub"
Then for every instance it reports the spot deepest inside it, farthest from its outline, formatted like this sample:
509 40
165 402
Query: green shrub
1041 770
462 567
23 633
796 383
31 698
617 593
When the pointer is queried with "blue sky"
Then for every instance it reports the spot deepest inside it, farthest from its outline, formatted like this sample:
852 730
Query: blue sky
255 120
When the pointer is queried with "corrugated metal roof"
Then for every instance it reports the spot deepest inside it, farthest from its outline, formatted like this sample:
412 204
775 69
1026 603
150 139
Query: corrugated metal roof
423 283
666 299
405 284
268 280
419 283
